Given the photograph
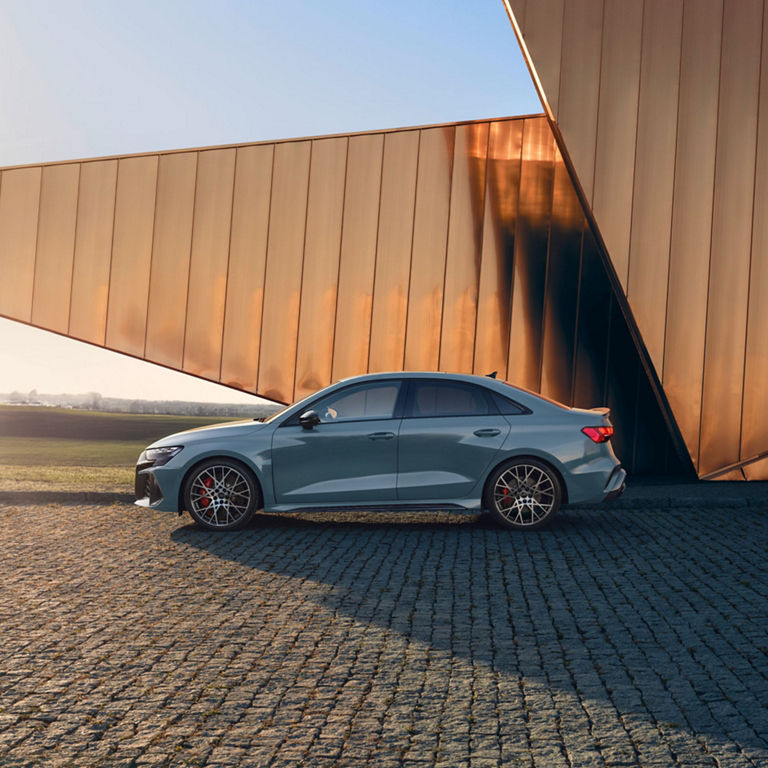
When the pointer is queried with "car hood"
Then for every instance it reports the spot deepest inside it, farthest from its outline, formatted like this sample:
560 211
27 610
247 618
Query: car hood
229 430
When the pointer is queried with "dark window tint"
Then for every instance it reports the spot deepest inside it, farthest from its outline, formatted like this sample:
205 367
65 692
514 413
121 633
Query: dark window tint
370 401
506 406
447 399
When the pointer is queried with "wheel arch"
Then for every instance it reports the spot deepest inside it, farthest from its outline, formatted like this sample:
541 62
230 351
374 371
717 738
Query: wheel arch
543 459
237 459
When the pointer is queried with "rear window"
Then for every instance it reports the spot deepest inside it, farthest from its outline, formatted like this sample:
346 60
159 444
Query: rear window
537 394
506 406
439 398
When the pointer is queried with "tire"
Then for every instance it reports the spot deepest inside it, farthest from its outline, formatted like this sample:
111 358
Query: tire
523 494
221 494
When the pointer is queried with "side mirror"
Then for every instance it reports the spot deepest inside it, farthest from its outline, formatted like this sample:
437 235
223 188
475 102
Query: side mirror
309 419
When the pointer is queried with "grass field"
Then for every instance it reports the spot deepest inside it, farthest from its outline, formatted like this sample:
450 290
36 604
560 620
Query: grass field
62 449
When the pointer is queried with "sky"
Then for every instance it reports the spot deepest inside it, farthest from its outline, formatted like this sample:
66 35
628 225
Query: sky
86 78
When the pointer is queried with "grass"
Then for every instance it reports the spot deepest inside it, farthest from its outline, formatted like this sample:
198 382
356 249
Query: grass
58 449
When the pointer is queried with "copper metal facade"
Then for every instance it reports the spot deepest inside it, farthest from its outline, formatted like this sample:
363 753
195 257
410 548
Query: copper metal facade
661 108
279 267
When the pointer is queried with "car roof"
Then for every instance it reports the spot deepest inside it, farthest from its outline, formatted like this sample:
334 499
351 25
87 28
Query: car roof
504 388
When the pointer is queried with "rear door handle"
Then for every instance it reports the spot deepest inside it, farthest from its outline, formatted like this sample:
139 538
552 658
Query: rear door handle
381 435
487 432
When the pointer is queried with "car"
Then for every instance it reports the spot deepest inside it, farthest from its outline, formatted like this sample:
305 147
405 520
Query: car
390 441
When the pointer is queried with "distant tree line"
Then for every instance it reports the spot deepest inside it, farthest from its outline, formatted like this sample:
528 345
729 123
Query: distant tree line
93 401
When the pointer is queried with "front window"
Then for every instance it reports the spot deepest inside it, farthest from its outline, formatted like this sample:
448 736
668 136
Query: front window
359 403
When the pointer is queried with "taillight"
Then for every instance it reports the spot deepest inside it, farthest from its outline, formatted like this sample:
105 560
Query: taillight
598 434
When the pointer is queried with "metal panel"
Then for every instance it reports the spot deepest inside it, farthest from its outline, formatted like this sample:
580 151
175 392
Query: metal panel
462 270
754 437
358 256
208 265
393 251
19 202
169 277
530 254
758 470
502 192
285 254
93 251
314 356
247 261
542 25
55 247
617 128
731 235
131 254
430 235
654 172
561 303
579 80
692 216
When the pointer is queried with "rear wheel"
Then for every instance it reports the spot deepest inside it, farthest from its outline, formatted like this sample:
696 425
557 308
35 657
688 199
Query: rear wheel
523 494
221 494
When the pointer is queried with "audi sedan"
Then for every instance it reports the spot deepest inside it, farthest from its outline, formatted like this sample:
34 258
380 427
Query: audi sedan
390 441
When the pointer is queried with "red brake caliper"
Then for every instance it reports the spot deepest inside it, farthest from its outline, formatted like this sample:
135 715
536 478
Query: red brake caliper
205 501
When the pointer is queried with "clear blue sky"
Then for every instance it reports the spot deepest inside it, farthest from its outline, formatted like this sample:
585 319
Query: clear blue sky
84 78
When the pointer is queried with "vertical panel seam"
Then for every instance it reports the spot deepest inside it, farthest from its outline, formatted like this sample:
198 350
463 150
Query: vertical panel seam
515 221
575 355
413 231
301 276
597 109
634 162
37 242
74 247
266 261
445 251
479 271
111 252
189 261
229 256
752 230
544 301
711 232
152 256
376 250
338 269
672 206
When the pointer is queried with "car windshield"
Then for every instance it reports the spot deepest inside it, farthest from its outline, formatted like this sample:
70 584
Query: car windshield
273 416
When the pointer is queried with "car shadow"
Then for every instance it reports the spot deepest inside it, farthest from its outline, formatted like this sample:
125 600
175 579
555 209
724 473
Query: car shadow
640 611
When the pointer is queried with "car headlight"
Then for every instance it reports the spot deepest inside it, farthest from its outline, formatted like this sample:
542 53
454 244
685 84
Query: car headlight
160 456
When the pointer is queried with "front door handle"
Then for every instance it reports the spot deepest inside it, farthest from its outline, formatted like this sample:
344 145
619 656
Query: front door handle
381 435
487 432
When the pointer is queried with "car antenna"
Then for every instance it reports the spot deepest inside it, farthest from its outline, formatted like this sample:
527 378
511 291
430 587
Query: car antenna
491 375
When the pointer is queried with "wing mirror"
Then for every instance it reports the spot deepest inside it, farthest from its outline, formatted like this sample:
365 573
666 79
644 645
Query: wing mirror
309 419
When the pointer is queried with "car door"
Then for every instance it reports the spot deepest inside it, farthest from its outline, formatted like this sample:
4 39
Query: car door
350 456
449 437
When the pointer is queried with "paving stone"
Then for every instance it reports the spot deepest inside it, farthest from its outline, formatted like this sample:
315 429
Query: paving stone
624 636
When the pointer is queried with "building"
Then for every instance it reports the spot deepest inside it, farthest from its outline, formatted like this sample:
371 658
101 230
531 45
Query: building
607 251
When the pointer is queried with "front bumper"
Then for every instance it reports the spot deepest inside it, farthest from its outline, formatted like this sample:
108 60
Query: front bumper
146 489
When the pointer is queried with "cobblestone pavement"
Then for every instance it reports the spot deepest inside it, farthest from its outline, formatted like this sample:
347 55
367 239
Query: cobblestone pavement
633 637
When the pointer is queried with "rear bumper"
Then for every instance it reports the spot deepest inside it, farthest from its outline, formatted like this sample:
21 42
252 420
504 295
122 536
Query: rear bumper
616 484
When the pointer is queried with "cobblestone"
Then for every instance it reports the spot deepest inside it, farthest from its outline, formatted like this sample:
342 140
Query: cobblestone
617 637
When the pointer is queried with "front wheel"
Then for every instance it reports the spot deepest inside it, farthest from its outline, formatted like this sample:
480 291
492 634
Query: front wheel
220 494
523 494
